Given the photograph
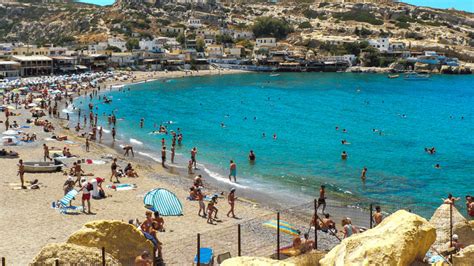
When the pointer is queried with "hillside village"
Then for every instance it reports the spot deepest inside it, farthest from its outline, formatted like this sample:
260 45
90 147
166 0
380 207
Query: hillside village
58 36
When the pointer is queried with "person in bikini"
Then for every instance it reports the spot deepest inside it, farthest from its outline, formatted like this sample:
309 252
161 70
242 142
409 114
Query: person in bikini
378 216
231 200
322 198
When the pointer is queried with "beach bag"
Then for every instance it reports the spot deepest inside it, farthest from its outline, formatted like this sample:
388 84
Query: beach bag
102 194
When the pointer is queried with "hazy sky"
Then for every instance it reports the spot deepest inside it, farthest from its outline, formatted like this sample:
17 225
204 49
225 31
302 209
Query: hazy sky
467 5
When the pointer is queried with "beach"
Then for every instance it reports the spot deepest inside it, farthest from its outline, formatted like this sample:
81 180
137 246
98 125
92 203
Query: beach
32 223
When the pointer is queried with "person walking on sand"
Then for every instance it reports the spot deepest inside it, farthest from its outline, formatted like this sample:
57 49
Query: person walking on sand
231 200
163 156
78 172
233 171
200 199
46 152
193 157
100 134
113 168
113 133
21 173
87 144
363 175
322 198
172 152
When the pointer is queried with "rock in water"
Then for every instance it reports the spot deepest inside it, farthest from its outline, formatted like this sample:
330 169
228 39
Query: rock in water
400 239
121 240
254 261
461 227
70 254
465 257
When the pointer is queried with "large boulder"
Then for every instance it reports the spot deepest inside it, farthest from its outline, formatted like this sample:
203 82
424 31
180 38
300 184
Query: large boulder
121 240
254 261
400 239
71 254
307 259
461 227
465 257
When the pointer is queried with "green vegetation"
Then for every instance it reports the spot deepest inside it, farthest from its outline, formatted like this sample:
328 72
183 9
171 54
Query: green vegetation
413 35
360 16
305 25
271 27
200 44
132 44
226 38
311 14
362 32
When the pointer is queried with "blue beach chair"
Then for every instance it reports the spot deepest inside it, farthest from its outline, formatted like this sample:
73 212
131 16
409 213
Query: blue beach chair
206 257
64 202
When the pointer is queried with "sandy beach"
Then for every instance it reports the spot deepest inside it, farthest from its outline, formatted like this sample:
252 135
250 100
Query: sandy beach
29 222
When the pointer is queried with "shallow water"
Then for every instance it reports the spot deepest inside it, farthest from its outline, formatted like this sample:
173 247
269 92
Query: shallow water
303 110
98 2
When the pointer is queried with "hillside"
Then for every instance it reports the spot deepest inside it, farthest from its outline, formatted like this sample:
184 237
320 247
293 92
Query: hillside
80 24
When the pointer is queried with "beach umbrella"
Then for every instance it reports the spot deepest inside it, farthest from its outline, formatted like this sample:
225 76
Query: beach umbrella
32 105
284 227
164 202
10 107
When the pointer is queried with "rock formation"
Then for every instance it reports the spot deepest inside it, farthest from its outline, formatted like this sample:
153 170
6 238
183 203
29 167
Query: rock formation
255 261
71 254
400 239
122 240
465 257
461 227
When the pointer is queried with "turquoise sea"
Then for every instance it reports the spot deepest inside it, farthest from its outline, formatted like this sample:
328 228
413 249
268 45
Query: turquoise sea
303 110
98 2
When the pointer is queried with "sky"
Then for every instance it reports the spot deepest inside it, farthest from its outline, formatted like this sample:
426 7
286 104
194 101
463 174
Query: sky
466 5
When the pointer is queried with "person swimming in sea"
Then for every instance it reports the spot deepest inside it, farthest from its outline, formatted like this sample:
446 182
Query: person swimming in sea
275 136
364 173
252 156
343 155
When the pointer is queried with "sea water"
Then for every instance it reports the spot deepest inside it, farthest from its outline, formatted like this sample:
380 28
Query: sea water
388 123
98 2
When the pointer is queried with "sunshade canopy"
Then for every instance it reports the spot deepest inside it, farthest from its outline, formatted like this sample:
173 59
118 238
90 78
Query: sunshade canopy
164 202
284 227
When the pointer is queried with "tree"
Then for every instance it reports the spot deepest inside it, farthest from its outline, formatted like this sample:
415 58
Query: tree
305 25
200 44
114 49
132 44
181 38
271 27
223 39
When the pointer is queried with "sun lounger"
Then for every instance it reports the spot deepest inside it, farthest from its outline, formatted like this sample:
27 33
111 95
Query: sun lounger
206 257
64 202
222 257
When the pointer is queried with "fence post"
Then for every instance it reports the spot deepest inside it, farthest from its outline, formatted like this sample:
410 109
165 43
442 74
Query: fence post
371 210
103 256
315 221
278 235
56 262
451 229
239 250
198 249
154 257
3 262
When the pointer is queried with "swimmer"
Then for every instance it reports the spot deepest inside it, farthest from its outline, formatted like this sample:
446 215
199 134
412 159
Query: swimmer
344 130
252 156
222 124
274 136
263 135
343 155
437 166
337 128
142 121
363 175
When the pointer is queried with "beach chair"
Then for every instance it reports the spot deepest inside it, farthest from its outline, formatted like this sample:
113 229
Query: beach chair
222 257
206 257
64 202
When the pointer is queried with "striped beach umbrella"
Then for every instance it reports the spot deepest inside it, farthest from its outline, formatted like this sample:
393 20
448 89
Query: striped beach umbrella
284 227
164 202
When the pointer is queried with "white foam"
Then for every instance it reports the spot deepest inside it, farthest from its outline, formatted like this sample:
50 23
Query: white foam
156 159
135 141
221 178
67 111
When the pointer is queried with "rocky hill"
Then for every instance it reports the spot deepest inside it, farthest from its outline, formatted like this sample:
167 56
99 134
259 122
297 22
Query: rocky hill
69 23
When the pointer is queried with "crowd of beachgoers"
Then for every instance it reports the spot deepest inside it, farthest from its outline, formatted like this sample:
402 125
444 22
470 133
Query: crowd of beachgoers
37 116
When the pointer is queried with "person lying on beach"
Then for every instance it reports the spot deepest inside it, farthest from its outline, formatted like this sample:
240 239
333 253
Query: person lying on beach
192 193
4 152
129 171
306 243
143 259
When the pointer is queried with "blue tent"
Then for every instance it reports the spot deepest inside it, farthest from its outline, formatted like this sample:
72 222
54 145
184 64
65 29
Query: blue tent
164 202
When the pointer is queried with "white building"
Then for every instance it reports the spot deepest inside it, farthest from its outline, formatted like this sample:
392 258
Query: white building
194 23
247 35
265 42
150 45
9 69
121 44
122 59
381 44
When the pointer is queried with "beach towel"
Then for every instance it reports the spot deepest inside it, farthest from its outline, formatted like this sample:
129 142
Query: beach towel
68 197
70 210
122 187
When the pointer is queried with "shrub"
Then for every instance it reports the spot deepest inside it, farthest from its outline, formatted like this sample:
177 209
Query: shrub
271 27
360 16
305 25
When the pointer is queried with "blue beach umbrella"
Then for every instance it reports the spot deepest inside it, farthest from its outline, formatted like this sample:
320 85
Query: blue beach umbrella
164 202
